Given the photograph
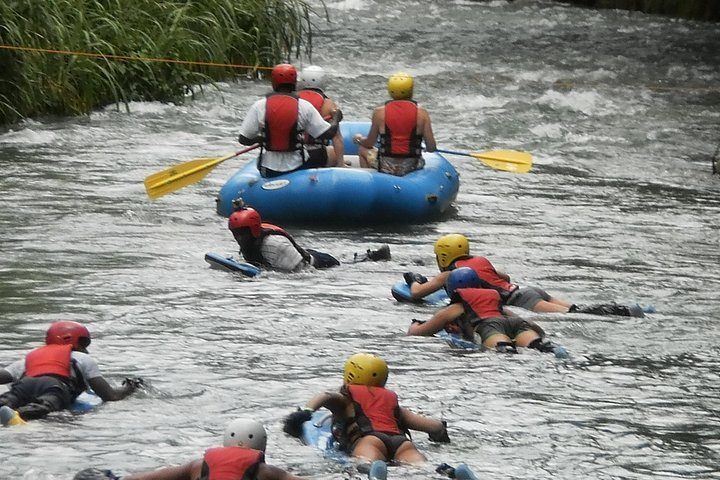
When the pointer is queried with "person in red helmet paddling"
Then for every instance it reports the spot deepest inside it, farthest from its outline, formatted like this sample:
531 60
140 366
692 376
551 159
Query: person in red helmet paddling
269 246
278 123
51 377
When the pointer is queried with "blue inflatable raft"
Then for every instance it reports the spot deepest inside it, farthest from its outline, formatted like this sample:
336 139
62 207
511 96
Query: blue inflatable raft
345 195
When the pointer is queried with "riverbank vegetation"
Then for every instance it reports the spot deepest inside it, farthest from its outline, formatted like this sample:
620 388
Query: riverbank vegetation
68 57
695 9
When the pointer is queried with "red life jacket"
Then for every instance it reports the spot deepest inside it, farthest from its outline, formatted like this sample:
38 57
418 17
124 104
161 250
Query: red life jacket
400 138
254 255
489 277
281 132
231 463
376 409
484 302
49 360
316 99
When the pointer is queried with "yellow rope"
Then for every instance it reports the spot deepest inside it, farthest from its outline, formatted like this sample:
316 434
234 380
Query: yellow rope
125 57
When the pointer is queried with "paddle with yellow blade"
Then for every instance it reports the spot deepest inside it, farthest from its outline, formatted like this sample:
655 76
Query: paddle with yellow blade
184 174
506 160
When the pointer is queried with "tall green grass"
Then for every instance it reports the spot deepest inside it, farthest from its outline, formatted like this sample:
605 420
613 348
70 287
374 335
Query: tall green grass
229 32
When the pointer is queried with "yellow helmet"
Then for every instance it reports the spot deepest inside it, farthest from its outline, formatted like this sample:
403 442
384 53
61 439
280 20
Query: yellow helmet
400 86
365 369
449 248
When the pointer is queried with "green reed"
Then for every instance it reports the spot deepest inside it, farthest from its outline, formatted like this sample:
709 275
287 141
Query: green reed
257 33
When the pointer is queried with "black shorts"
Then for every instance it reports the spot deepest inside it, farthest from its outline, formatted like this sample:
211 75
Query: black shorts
508 326
316 157
391 441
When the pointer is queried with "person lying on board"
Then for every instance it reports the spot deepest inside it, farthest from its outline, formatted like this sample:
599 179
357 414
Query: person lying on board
278 123
477 312
51 377
453 251
269 246
242 457
320 153
368 420
402 126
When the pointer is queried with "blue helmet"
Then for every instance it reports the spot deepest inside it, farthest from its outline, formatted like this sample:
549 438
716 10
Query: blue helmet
463 277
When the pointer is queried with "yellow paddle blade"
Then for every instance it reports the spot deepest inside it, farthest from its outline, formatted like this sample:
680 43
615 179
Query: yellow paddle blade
507 160
179 176
184 174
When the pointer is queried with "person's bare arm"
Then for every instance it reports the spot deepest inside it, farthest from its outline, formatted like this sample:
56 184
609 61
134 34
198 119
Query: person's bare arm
333 401
189 471
419 290
438 321
419 422
378 118
339 149
427 132
107 392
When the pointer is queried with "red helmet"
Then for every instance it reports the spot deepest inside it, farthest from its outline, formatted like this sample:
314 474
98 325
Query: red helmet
246 218
283 74
66 332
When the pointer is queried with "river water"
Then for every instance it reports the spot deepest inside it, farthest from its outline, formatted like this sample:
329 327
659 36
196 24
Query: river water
620 111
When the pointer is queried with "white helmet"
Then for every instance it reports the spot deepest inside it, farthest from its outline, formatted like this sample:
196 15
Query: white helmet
247 433
312 76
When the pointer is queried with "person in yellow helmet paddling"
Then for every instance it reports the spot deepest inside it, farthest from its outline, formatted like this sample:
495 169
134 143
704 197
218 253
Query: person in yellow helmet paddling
402 126
453 251
367 417
479 316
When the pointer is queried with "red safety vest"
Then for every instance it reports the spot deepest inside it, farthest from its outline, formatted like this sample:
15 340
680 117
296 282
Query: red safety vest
484 302
489 277
231 463
281 123
316 99
376 409
49 360
400 138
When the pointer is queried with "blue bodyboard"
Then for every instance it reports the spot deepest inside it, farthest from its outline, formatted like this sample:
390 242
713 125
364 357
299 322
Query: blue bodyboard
457 341
401 292
317 432
231 265
86 401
